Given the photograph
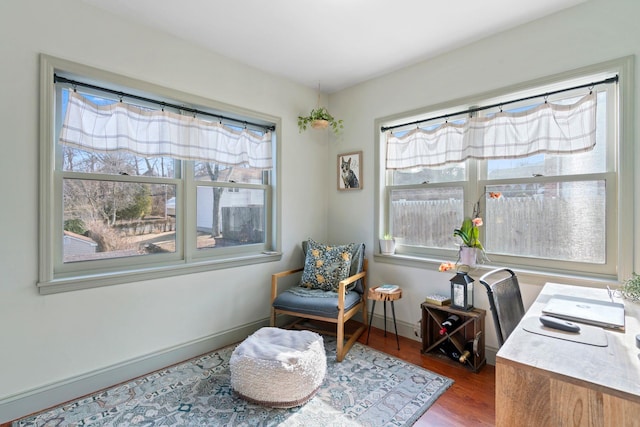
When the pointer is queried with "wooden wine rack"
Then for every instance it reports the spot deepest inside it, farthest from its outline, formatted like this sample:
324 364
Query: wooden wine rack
472 326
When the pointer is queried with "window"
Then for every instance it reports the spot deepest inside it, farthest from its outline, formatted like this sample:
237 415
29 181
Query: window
557 212
230 202
121 204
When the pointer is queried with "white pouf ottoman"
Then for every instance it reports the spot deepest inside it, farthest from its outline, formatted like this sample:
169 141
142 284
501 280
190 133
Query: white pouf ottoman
279 368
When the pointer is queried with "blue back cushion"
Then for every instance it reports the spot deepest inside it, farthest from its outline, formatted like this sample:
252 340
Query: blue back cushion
325 266
357 262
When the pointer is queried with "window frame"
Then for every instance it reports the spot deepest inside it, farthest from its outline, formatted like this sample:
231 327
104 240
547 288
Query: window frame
54 276
620 252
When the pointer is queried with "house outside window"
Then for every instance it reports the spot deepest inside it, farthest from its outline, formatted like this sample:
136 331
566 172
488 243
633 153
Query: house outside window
557 213
115 215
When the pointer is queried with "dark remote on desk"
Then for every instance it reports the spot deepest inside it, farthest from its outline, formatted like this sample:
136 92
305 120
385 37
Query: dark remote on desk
555 323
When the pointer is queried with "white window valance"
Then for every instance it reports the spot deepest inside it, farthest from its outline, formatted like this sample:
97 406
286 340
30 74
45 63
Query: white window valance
156 133
548 128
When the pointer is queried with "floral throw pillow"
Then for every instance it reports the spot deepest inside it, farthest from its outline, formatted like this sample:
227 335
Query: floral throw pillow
325 266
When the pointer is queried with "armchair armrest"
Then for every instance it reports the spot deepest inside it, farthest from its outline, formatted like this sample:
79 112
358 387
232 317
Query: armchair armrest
276 276
342 285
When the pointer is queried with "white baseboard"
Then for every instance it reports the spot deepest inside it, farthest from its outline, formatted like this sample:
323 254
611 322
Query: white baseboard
28 402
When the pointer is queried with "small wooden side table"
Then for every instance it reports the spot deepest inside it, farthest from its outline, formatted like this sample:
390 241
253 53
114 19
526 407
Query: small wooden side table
384 297
470 328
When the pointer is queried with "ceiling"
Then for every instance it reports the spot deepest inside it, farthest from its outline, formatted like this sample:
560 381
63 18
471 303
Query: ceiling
332 44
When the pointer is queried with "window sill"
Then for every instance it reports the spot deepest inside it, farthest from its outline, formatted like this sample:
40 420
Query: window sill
525 276
108 279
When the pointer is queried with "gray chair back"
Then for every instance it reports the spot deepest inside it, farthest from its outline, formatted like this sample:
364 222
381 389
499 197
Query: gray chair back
505 300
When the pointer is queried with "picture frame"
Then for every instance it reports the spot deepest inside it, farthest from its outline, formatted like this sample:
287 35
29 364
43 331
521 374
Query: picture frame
350 171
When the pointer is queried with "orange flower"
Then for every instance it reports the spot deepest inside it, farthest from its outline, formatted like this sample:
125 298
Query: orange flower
446 266
477 222
495 195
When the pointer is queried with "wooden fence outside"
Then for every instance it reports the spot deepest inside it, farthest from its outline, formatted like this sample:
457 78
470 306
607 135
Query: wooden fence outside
525 226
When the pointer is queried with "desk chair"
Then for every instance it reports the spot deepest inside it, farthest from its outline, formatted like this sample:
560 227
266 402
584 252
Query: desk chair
505 301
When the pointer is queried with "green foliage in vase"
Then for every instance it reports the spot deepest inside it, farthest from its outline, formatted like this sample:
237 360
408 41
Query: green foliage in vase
631 288
469 233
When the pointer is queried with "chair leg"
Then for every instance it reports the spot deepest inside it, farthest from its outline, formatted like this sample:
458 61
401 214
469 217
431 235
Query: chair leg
340 351
351 341
343 348
365 318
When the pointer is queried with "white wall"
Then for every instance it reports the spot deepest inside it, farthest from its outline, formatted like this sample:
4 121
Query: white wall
591 33
51 339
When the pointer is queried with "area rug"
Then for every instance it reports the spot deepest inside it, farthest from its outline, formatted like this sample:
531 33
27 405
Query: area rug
368 388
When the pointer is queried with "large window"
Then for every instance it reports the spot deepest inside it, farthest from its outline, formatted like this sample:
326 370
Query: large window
120 203
557 212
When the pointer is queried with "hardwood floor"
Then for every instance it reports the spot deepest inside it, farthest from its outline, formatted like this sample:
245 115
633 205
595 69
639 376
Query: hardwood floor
470 401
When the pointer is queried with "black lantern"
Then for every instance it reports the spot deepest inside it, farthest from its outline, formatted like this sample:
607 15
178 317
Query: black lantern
462 291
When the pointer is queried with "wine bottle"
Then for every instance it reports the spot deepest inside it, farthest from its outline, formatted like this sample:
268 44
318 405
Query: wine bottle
447 348
449 324
467 354
471 350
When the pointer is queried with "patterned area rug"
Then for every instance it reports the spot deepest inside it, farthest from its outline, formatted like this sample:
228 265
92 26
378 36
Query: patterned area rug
368 388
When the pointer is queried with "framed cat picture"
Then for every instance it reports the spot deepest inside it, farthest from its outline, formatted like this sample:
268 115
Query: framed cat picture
350 171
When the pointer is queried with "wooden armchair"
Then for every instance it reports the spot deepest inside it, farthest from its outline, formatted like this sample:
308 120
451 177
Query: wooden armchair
335 306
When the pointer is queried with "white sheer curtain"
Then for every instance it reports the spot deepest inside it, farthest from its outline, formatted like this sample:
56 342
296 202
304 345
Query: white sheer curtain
548 128
155 133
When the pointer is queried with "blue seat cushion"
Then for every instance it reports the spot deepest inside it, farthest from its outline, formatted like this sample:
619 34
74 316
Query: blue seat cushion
314 301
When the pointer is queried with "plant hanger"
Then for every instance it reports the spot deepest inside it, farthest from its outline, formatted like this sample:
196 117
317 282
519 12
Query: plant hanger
320 118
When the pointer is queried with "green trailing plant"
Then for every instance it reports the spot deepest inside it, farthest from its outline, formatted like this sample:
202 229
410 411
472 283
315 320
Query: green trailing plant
320 113
631 288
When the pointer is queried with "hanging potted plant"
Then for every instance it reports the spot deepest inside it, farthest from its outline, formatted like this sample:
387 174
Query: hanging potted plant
319 118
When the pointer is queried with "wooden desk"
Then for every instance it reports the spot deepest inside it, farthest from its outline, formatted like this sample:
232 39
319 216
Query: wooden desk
544 381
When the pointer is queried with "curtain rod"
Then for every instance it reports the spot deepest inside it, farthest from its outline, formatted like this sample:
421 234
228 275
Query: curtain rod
613 79
57 78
